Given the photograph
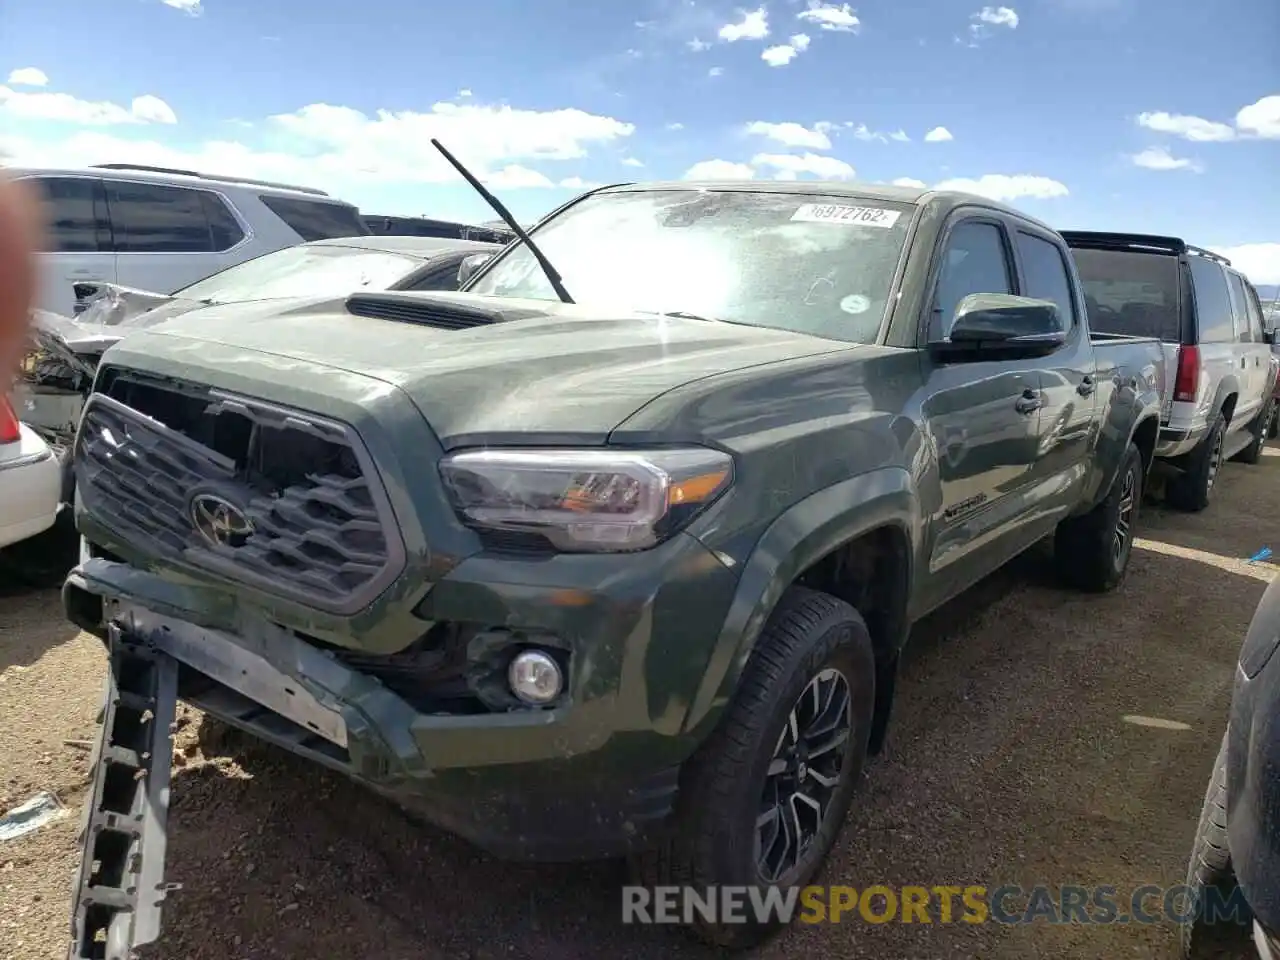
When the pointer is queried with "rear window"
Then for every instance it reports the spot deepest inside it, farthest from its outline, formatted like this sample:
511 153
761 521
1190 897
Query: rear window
316 219
1130 293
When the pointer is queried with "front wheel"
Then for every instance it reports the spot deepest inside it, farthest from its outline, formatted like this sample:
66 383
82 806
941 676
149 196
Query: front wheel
763 800
1092 552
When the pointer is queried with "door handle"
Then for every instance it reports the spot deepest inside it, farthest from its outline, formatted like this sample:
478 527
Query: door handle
1086 387
1029 402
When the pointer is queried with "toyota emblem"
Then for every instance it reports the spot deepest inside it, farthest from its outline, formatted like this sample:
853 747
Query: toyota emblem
219 521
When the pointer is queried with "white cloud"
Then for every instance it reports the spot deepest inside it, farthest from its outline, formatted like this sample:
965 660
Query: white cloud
1260 262
334 147
716 72
863 132
998 17
784 53
464 92
980 23
754 25
577 183
697 46
909 182
1158 158
900 136
186 6
938 135
63 107
792 134
788 166
1187 127
1261 119
830 17
675 126
28 77
1004 187
632 162
719 170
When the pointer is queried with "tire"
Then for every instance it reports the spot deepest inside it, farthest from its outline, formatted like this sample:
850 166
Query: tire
1210 865
1273 425
1261 426
1092 552
1191 490
812 639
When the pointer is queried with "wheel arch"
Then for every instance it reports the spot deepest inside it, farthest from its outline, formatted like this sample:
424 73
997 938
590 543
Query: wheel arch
858 540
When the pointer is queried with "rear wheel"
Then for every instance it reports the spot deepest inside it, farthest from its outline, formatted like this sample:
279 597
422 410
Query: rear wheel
1192 489
763 800
1092 552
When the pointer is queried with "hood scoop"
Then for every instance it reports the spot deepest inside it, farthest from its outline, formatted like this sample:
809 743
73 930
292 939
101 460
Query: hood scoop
423 311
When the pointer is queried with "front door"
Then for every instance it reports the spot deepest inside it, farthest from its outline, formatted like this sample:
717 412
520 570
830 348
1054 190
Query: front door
983 420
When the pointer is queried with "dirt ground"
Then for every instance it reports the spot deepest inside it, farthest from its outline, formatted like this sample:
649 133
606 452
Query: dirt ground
1010 760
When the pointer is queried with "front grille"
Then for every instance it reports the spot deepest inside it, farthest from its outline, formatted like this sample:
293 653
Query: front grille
175 469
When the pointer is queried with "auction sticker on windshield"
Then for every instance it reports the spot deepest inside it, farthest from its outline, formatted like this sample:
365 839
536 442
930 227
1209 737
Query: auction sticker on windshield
837 213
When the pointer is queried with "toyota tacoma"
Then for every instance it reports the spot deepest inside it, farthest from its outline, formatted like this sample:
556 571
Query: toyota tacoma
614 551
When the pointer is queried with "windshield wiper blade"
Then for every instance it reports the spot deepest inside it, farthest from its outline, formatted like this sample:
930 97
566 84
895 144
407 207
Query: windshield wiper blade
685 315
553 276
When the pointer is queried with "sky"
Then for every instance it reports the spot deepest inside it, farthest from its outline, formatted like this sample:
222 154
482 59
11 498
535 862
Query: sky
1159 116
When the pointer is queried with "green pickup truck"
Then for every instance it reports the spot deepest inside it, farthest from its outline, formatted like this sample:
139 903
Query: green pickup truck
615 563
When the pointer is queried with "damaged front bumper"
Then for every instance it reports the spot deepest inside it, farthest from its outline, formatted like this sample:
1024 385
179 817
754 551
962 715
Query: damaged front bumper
594 777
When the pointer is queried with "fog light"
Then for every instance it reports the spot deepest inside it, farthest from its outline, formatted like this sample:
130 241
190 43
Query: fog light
535 677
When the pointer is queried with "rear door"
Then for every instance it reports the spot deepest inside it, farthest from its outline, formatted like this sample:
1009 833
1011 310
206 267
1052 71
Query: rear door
167 236
77 239
1255 351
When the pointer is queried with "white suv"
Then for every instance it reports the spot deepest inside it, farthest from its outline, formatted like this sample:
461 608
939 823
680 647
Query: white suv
160 229
1218 405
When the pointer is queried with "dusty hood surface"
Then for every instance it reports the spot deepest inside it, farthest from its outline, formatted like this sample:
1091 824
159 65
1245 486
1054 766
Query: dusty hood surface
546 369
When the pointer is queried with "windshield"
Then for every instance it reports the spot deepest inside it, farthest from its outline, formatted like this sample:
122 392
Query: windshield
303 271
813 264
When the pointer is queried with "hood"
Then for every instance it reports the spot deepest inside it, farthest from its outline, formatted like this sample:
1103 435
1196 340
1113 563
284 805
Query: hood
545 370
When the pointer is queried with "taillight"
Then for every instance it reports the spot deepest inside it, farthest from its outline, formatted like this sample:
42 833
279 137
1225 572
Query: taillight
9 432
1186 386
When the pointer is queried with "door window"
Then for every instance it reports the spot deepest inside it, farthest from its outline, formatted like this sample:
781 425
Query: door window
975 261
1256 325
1045 276
1240 308
317 219
76 214
156 218
1213 302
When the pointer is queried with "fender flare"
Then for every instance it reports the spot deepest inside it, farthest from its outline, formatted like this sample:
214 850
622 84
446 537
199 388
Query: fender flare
803 534
1228 385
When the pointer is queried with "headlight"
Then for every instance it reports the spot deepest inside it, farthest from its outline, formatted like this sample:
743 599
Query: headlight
586 500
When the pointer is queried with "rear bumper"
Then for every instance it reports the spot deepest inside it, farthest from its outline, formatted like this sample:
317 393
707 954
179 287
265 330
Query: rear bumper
596 777
1177 442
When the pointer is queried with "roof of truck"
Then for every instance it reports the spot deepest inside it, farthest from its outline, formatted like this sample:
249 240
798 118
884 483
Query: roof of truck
945 200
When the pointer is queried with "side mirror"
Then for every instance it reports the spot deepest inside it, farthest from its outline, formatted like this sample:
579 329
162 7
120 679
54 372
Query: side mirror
471 265
989 324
